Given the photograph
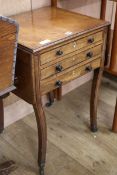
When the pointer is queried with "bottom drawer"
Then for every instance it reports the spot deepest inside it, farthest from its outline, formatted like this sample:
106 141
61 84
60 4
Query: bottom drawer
50 84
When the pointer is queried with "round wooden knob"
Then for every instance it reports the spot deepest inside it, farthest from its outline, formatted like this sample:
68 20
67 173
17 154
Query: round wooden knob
88 68
59 68
58 83
89 55
90 40
59 53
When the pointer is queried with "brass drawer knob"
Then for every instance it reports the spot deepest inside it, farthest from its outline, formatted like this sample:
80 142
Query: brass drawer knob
91 40
59 53
59 68
58 83
89 55
88 68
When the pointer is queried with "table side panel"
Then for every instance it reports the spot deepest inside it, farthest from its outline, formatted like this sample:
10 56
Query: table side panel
24 82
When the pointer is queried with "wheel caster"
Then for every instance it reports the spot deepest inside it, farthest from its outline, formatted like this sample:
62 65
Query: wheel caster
94 128
41 171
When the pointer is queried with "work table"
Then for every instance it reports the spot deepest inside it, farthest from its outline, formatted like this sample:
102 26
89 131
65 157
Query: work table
56 47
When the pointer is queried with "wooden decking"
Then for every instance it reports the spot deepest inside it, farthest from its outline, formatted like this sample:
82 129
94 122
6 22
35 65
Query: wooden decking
72 148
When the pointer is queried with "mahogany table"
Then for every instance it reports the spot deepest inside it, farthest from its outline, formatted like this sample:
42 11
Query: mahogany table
52 51
56 47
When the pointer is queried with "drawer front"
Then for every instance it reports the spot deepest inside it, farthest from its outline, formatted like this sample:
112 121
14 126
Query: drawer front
53 83
71 61
70 47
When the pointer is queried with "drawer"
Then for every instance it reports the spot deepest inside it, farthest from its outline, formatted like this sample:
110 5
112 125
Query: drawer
70 47
71 61
50 84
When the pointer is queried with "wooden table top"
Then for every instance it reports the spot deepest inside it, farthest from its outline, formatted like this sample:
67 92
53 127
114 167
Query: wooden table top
45 26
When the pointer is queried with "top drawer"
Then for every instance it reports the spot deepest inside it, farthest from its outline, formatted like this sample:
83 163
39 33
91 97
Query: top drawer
71 47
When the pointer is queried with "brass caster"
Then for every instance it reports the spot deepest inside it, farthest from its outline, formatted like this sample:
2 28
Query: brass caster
41 170
94 128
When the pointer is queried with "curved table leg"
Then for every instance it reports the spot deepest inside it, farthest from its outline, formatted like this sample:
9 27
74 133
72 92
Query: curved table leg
114 127
94 98
42 136
40 117
1 116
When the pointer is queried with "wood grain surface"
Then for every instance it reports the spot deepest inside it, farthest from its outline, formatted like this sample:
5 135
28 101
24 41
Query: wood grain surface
8 47
53 24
